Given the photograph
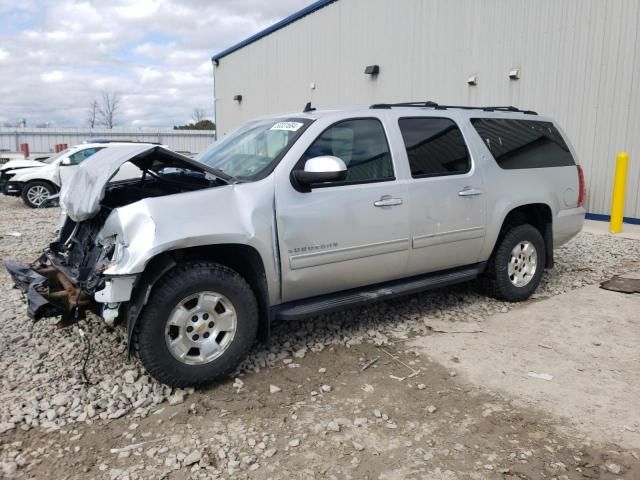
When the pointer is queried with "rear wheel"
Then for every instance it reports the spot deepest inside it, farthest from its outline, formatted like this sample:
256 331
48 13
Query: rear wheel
516 268
34 193
198 325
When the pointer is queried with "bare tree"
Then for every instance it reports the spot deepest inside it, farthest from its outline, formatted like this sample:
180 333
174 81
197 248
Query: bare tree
92 114
109 108
198 115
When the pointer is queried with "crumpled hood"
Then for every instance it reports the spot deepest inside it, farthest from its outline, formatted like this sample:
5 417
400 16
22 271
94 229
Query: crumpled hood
80 197
21 164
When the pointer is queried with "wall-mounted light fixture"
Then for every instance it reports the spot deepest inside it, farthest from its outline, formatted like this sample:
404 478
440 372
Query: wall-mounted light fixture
372 70
312 85
514 74
472 80
237 98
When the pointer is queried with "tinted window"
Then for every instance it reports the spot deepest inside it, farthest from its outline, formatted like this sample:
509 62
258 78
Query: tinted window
78 157
523 143
435 147
361 144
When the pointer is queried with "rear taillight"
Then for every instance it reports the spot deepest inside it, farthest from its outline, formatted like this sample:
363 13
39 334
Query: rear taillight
581 188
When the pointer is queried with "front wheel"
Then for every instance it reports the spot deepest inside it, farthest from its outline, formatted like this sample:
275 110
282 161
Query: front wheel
197 326
516 268
34 193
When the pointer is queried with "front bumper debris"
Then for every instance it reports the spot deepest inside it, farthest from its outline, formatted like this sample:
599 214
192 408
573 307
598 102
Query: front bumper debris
49 293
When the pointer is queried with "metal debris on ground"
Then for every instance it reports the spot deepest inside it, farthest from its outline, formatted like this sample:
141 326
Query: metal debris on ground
627 283
135 445
414 372
369 363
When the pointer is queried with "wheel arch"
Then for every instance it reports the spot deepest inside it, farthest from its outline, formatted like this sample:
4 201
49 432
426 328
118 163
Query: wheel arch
55 187
241 258
539 215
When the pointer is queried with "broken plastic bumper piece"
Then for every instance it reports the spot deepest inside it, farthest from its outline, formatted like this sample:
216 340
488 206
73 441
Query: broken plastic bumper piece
48 292
35 286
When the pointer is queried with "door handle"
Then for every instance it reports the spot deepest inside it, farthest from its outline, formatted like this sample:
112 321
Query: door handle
469 192
387 201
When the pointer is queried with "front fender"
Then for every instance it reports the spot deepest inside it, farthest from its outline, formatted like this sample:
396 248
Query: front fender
234 214
44 173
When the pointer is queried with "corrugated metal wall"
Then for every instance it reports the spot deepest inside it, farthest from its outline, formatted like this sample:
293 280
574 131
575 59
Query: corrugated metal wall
44 139
579 63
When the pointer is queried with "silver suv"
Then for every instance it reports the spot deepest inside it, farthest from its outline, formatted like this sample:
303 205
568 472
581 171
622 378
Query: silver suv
302 214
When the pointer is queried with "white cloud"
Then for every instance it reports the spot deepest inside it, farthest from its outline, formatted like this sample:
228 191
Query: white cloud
53 76
149 74
58 35
155 52
136 9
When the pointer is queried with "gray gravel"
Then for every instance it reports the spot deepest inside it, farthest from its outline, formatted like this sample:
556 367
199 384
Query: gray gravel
42 385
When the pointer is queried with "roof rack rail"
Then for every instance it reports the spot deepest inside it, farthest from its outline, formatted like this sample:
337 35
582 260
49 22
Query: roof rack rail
436 106
115 140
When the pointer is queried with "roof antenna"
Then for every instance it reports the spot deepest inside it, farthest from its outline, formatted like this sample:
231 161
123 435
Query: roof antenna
308 108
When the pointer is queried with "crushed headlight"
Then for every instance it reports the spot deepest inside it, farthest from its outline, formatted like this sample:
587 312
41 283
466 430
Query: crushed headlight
112 252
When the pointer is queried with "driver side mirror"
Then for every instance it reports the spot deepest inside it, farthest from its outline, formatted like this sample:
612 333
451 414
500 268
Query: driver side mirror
321 169
66 162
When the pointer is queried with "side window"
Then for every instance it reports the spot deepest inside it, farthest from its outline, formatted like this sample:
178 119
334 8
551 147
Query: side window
361 144
523 143
435 147
78 157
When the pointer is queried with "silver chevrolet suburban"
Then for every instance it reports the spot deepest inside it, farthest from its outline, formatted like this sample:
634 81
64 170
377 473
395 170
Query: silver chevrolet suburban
302 214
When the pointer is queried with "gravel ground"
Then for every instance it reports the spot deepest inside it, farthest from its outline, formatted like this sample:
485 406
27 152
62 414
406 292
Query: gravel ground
43 388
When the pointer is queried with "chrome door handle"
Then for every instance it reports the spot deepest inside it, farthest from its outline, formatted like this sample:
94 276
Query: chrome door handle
469 192
387 201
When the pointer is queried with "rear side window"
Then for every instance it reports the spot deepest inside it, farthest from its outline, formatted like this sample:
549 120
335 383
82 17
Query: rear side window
361 144
435 147
523 143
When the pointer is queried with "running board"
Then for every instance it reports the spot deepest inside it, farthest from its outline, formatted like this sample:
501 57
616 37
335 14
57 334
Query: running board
382 291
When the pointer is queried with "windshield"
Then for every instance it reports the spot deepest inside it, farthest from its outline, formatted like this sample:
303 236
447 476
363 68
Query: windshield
254 147
56 156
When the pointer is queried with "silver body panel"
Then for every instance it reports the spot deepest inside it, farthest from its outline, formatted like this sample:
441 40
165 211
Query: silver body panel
340 237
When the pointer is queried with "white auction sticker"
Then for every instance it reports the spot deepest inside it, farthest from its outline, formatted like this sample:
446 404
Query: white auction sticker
289 126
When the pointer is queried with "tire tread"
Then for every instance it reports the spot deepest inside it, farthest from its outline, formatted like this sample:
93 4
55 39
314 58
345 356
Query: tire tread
495 282
181 277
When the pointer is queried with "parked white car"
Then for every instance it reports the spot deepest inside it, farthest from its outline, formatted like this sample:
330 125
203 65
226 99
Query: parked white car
18 158
36 181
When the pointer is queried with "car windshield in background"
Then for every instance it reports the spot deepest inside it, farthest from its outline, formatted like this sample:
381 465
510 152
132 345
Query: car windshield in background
254 147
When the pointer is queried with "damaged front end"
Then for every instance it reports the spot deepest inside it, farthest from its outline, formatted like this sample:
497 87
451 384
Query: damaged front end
75 274
49 293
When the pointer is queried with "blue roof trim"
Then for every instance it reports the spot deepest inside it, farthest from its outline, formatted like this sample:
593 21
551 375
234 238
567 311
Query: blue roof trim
276 26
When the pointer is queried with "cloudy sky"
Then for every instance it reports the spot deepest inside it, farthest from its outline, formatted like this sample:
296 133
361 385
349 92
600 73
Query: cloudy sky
56 56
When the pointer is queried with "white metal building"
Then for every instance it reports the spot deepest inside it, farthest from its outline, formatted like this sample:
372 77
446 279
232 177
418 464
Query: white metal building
577 61
43 140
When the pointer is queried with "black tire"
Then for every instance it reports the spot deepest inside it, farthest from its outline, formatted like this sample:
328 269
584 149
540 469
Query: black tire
37 184
178 284
497 282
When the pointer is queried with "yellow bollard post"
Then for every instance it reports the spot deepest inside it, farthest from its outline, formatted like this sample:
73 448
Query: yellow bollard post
617 197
